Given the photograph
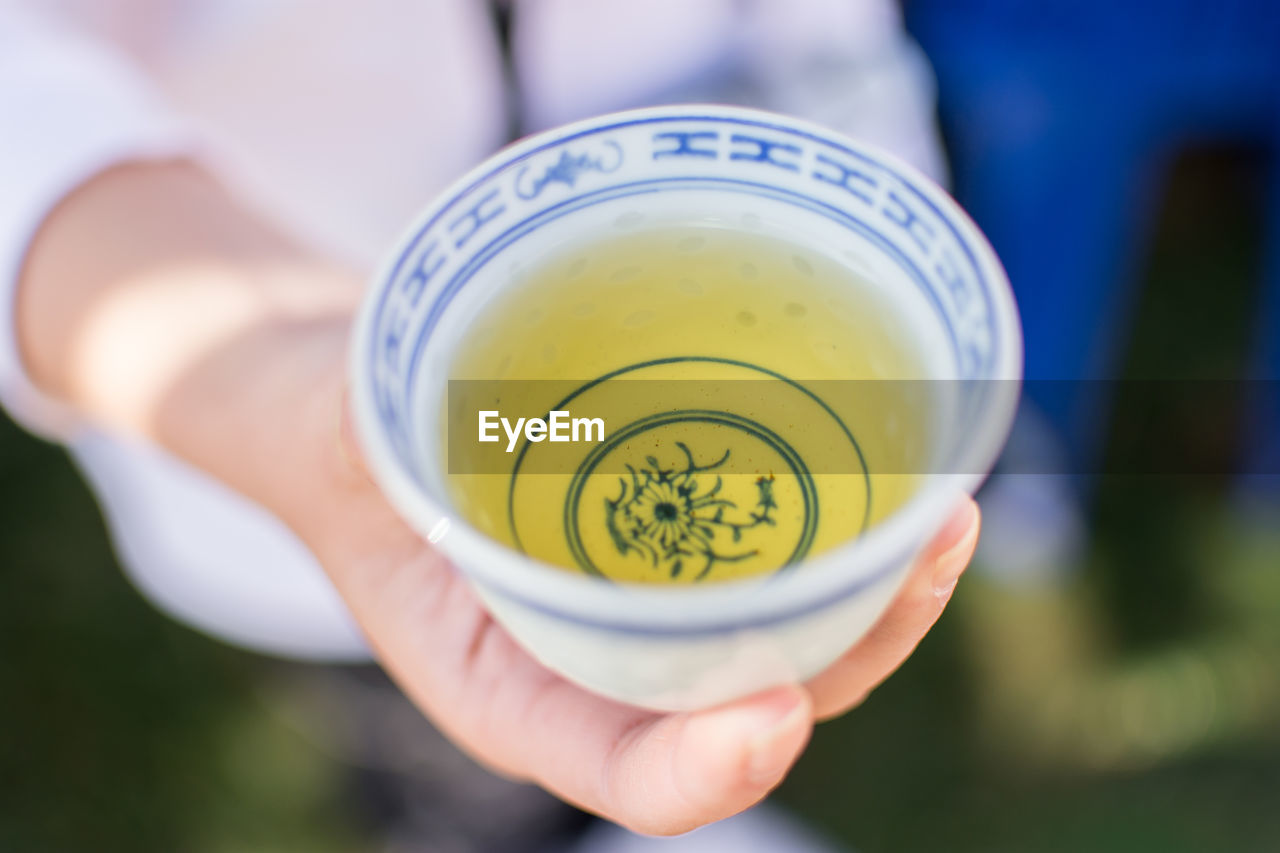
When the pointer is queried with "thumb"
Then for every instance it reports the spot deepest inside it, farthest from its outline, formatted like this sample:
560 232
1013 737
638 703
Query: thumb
687 770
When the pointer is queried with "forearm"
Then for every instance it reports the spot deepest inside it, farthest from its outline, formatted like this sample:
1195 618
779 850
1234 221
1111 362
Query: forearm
155 303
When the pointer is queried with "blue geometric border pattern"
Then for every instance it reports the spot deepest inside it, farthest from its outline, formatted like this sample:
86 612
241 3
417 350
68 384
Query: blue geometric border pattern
731 153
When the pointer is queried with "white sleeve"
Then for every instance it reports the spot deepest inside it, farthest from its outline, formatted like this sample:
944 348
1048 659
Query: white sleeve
848 64
851 66
69 107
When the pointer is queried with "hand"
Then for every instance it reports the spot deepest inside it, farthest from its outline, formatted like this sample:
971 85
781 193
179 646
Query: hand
654 773
155 303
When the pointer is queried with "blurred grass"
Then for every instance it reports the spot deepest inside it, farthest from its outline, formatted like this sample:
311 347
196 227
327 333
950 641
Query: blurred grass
1136 707
120 729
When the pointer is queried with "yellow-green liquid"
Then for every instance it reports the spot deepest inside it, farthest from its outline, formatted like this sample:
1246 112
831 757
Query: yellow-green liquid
742 435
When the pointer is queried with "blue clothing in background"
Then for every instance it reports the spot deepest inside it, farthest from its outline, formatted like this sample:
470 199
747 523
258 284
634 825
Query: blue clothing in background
1062 117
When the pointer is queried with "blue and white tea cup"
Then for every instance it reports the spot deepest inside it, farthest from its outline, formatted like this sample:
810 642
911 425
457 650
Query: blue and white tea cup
664 647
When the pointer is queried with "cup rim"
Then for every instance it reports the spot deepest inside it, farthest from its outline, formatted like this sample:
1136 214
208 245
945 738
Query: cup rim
660 609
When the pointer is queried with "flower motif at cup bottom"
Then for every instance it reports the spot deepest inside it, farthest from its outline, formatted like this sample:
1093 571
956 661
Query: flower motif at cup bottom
673 519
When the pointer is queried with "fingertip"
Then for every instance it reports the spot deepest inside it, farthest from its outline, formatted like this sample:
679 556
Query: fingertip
956 552
956 539
962 525
773 749
697 767
743 749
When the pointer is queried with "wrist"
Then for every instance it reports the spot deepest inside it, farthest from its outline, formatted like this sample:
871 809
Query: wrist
155 304
263 414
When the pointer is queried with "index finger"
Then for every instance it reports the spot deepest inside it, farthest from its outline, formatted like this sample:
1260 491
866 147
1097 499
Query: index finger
894 637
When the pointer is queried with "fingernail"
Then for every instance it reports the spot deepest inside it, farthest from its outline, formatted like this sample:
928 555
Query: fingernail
950 567
952 563
771 750
942 589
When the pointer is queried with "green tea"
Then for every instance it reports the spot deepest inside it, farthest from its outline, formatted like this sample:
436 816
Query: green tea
746 391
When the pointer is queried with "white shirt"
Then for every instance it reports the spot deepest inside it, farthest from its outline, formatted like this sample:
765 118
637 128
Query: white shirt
341 120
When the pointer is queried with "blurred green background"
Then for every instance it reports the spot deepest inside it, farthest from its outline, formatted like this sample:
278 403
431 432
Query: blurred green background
1132 706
